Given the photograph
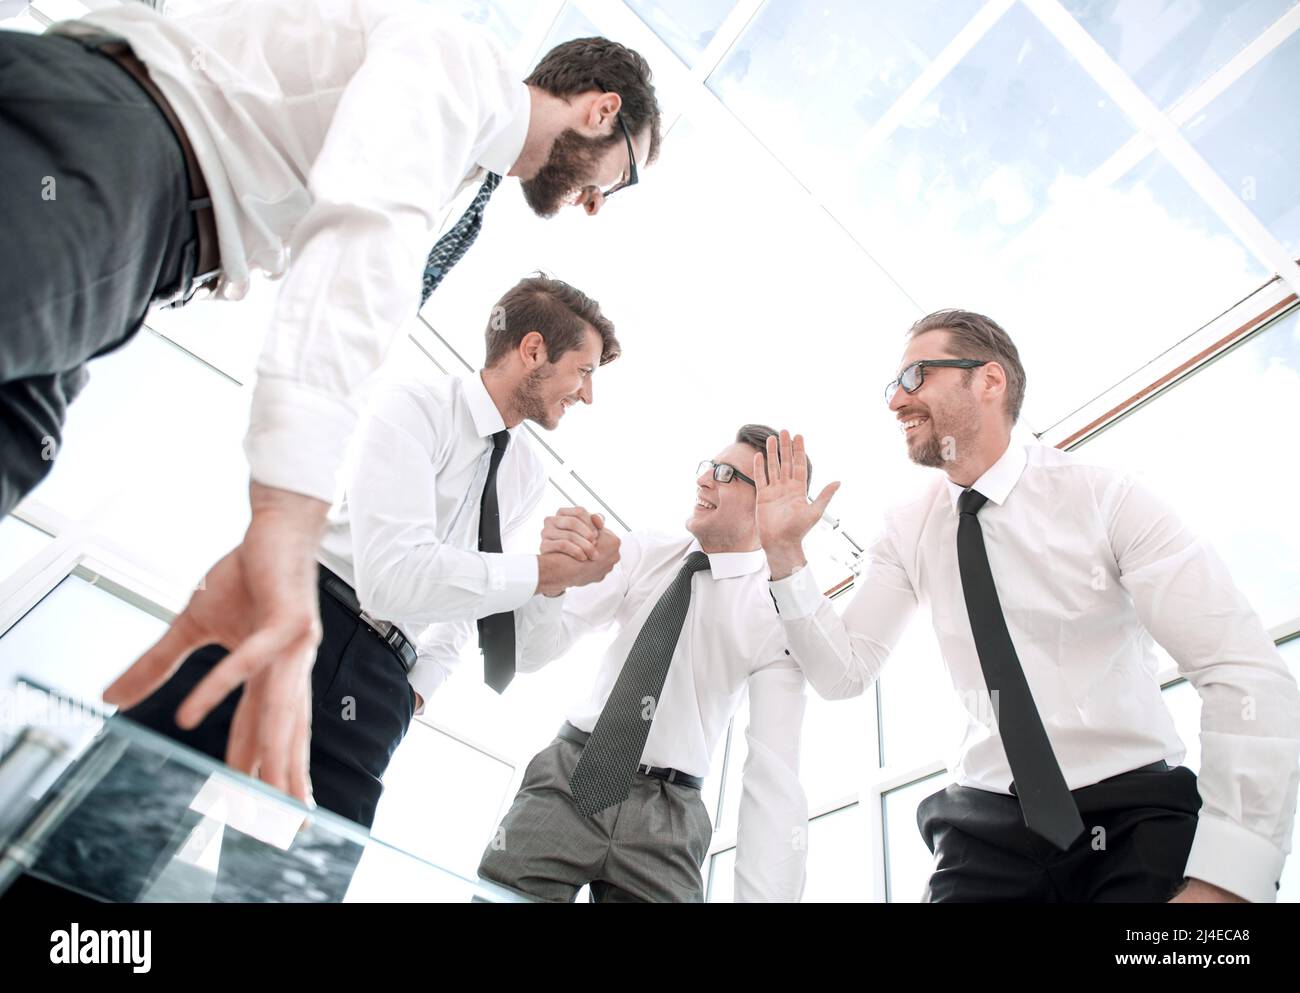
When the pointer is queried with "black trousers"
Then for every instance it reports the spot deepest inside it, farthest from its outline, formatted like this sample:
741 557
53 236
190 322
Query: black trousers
362 706
1138 830
94 224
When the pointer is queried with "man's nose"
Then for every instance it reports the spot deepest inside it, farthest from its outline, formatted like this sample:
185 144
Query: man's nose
586 392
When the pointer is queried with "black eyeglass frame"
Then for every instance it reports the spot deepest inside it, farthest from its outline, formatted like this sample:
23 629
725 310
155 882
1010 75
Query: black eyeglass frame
631 164
920 366
718 468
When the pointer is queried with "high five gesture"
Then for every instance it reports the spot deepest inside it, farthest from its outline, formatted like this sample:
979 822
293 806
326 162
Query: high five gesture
784 512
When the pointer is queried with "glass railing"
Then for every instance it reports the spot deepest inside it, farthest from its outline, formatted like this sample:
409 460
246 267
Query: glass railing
102 807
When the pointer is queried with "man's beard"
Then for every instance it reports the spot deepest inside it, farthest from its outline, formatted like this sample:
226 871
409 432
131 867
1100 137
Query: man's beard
572 160
930 452
530 402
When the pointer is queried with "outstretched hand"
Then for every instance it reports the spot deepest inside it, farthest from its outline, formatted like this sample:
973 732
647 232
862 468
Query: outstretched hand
784 513
260 603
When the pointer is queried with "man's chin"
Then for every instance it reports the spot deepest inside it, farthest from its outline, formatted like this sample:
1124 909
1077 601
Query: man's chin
539 204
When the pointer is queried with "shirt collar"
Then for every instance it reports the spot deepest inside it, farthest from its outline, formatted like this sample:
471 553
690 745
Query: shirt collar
487 419
999 479
503 150
730 565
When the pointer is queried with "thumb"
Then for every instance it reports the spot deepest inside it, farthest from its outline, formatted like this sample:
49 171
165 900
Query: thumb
824 498
599 521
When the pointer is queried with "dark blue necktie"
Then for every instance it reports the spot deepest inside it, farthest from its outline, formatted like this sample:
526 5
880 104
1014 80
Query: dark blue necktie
453 245
1045 801
496 632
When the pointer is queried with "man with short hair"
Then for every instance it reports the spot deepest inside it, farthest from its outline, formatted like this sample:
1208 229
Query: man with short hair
614 801
423 542
1047 577
146 156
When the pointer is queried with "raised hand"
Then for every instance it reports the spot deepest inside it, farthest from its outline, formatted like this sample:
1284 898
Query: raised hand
572 531
259 603
782 508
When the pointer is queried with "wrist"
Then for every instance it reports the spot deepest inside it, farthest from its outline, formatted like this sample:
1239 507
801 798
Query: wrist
295 517
784 560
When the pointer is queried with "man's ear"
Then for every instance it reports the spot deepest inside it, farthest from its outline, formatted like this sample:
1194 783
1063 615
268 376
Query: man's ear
995 381
532 349
603 112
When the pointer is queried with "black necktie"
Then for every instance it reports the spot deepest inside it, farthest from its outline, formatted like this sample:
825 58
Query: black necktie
496 633
603 775
452 246
1045 800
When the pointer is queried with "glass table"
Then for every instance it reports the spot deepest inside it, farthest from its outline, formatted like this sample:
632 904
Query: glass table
104 808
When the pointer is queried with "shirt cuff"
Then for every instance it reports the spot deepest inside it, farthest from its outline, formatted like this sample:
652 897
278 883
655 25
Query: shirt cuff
297 437
425 677
512 580
1227 855
797 596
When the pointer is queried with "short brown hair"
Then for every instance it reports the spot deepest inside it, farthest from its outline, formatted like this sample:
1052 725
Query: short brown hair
560 313
975 336
600 64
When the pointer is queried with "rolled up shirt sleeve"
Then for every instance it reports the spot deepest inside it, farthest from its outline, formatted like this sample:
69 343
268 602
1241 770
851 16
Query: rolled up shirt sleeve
841 657
401 141
1250 705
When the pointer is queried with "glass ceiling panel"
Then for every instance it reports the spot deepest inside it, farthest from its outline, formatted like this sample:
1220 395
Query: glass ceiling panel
507 19
686 26
1171 46
1249 136
808 78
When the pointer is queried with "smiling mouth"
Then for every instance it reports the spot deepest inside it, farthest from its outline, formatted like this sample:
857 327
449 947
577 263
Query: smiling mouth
912 423
702 504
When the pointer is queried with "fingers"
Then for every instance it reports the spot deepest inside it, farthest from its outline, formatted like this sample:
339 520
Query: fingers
824 498
760 471
563 546
787 456
155 666
599 521
582 526
799 466
773 459
274 732
267 646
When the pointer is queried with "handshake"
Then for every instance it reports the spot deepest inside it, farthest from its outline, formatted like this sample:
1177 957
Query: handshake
576 549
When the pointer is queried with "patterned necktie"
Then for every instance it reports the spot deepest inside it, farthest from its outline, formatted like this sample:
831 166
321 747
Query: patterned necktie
453 245
1045 801
603 775
496 633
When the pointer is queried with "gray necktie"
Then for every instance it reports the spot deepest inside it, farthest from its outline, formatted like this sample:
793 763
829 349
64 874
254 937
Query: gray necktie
453 245
603 775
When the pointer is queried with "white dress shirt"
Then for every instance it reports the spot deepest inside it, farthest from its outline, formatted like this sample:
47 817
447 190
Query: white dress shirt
405 533
730 641
332 135
1089 566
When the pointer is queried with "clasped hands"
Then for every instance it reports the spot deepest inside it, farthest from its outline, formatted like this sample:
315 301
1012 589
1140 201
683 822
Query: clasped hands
576 549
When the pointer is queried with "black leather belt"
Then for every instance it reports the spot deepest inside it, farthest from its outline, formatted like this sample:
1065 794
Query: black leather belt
202 270
390 633
569 733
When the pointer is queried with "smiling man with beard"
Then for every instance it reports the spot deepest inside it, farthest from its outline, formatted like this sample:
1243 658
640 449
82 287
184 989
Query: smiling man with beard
1048 579
146 156
614 801
425 541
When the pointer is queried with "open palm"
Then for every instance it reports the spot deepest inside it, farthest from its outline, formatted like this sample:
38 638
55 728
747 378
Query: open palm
781 476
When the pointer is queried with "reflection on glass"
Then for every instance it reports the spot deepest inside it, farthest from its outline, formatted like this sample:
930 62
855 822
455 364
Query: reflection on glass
908 861
77 640
1248 135
200 832
1227 480
1171 46
685 27
19 542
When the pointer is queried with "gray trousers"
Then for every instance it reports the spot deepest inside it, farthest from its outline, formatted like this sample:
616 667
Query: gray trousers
93 225
647 849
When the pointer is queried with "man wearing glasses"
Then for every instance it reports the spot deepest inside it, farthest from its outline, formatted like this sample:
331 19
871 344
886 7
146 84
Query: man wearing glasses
1047 579
147 156
614 801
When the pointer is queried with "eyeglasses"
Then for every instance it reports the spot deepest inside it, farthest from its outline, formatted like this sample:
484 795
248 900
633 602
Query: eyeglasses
723 473
631 164
911 378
